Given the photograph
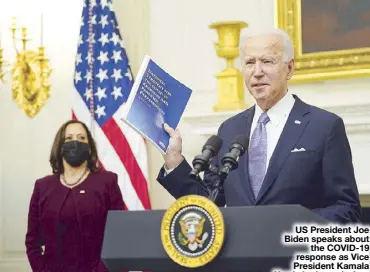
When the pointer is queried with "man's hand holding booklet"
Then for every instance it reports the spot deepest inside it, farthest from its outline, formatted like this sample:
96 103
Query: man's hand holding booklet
156 98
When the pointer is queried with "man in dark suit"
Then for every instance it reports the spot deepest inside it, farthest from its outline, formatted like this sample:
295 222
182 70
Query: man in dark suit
298 154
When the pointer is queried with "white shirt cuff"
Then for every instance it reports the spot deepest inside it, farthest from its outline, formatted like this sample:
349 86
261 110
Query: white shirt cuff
167 171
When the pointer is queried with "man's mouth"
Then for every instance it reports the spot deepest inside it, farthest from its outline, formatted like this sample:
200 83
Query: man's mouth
259 84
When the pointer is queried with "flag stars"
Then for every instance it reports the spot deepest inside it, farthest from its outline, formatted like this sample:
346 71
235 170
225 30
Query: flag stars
93 3
103 57
89 58
80 41
117 74
117 92
91 38
116 56
77 77
102 75
104 3
100 111
122 44
101 93
113 23
78 58
88 94
104 39
104 21
93 20
88 76
115 38
128 74
110 5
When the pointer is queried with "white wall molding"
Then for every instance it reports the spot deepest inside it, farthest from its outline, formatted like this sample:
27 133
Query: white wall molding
356 117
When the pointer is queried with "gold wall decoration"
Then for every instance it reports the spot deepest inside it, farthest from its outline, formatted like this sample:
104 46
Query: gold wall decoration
29 74
331 37
230 84
3 64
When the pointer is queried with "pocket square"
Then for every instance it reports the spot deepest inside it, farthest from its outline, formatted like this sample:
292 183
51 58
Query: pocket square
298 150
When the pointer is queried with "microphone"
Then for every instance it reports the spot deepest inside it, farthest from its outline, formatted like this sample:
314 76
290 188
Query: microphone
210 149
230 161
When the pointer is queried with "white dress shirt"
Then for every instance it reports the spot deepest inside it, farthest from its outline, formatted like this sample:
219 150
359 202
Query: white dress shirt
278 115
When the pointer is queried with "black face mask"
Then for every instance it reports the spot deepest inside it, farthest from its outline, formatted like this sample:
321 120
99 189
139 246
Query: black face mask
75 152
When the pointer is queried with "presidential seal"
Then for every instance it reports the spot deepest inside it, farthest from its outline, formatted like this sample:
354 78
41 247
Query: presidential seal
192 231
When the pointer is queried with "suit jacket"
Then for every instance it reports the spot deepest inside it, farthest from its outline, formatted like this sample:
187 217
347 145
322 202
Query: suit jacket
89 202
320 178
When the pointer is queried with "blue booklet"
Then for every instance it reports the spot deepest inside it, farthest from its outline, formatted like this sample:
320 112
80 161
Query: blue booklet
155 98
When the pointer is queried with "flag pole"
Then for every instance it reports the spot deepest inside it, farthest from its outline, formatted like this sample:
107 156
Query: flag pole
91 69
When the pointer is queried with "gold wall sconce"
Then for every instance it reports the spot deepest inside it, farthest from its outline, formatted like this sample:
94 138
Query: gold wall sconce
230 85
29 74
3 64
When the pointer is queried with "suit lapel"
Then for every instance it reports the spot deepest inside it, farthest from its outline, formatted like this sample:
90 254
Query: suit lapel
291 133
55 198
243 161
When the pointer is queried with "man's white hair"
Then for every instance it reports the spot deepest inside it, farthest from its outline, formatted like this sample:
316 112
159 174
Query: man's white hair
288 53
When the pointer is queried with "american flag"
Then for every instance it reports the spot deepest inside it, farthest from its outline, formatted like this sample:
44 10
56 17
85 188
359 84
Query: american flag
103 81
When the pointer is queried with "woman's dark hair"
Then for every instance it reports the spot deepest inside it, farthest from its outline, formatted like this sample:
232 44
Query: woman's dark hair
56 158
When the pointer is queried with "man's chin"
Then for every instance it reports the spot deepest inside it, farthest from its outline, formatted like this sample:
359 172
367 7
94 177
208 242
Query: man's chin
260 94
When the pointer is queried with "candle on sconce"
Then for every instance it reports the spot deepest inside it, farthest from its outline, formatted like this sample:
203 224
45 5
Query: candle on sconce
1 37
42 30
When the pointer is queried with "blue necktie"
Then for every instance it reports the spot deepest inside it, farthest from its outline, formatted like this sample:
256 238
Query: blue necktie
258 154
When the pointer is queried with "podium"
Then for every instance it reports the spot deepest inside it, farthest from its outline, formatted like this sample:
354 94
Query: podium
253 239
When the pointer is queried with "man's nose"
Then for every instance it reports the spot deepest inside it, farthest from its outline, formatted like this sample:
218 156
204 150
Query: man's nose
258 70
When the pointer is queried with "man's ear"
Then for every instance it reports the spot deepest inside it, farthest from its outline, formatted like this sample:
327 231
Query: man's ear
290 69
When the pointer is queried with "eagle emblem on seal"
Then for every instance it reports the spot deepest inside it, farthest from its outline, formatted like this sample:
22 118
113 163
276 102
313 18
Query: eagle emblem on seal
192 234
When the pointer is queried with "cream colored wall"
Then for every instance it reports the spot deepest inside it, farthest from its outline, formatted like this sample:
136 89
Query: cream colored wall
25 143
176 34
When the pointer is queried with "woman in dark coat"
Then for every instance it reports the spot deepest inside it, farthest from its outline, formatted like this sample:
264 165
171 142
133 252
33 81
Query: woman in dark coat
68 209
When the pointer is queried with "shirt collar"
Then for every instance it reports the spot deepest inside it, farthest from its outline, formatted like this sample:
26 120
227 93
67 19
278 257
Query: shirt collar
279 111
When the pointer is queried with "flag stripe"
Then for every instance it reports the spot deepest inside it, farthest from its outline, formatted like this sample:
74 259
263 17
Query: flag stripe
139 143
123 150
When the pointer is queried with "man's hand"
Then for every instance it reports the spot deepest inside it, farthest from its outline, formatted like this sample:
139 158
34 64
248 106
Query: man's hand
173 157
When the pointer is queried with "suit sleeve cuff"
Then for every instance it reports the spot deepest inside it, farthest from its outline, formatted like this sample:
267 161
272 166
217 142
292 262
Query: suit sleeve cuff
182 170
167 171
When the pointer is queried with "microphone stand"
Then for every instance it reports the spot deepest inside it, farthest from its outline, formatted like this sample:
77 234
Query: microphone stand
218 185
229 161
196 177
